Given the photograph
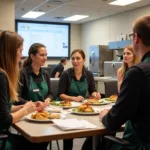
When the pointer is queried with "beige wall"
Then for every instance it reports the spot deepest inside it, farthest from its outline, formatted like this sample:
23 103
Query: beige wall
75 42
107 29
7 15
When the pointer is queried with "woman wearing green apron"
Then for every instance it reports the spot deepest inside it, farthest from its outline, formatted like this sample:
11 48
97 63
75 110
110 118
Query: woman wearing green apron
75 83
35 82
10 53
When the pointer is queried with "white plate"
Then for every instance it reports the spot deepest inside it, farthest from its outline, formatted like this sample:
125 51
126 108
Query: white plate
74 104
108 101
101 103
28 117
96 112
53 109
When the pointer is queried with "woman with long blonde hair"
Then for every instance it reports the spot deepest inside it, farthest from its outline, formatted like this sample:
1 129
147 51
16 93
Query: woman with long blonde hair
129 59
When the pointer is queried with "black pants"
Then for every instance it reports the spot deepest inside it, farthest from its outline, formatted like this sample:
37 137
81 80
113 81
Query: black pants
68 144
88 143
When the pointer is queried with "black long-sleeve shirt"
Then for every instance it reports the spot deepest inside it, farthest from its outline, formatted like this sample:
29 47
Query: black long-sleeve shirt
65 81
5 116
133 102
25 82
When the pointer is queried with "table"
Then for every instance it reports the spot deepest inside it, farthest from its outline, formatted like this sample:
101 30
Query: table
44 132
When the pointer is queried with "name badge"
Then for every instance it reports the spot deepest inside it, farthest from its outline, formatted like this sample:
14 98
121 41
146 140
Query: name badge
36 90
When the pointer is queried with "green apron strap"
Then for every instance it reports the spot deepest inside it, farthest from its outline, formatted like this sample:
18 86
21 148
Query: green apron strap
147 59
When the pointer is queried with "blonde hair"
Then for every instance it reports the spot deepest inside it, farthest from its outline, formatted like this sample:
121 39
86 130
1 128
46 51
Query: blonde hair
9 44
124 66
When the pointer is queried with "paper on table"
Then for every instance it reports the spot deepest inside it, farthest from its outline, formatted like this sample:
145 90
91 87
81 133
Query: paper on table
70 124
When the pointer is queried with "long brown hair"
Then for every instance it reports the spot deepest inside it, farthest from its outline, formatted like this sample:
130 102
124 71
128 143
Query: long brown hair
9 44
32 50
124 66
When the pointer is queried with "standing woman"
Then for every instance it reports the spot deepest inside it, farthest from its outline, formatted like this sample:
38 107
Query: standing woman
10 53
74 84
35 82
129 59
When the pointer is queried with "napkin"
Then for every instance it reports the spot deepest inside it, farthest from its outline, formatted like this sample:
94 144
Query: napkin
73 124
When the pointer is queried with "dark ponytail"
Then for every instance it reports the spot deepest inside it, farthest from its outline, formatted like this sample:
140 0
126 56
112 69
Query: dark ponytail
32 50
27 62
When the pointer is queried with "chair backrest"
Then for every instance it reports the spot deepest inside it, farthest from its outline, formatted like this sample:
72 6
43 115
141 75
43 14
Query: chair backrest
111 88
48 69
54 87
51 65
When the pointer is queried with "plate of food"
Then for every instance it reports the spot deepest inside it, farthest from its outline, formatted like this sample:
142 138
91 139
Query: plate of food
43 116
85 109
94 101
65 104
112 98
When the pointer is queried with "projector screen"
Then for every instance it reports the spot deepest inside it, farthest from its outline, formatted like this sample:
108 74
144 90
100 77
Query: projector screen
55 36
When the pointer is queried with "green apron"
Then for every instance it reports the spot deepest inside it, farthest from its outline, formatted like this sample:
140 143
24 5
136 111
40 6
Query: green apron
37 90
132 137
78 88
9 142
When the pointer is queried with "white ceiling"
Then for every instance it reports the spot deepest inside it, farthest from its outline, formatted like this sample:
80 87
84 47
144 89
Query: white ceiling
58 9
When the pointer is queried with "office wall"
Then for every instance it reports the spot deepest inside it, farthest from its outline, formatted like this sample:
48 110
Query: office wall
7 22
107 29
75 42
7 15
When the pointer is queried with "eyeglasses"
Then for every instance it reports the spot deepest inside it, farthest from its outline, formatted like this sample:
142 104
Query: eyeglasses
131 36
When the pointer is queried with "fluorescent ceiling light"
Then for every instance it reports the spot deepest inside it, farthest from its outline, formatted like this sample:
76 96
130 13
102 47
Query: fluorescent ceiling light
75 18
123 2
33 14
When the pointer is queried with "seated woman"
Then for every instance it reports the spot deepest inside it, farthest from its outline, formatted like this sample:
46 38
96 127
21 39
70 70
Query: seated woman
11 45
35 82
77 81
74 84
129 59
